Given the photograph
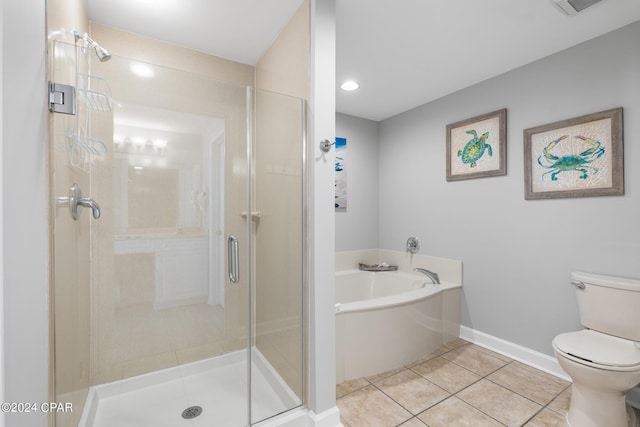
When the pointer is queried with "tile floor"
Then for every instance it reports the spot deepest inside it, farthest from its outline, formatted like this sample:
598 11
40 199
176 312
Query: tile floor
461 384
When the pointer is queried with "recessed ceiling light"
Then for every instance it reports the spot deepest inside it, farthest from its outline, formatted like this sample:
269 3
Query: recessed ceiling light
349 85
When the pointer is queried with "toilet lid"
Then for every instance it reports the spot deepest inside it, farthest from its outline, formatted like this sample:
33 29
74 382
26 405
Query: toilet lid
599 348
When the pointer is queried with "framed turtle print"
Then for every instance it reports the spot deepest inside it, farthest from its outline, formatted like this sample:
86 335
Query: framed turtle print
477 147
578 157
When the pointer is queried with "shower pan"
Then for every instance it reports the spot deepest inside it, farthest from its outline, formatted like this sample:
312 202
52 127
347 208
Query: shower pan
184 295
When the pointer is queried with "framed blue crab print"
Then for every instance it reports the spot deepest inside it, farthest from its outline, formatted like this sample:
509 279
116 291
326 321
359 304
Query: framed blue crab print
477 147
579 157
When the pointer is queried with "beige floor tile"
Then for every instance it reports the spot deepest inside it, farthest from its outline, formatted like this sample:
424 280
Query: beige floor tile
455 412
350 386
440 351
369 407
412 391
496 401
413 422
452 345
344 422
531 383
561 403
422 359
477 361
512 393
535 371
378 377
547 418
446 374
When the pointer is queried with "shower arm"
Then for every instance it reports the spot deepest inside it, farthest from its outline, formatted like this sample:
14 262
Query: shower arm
102 53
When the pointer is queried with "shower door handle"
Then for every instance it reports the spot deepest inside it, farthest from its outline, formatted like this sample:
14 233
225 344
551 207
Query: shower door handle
232 259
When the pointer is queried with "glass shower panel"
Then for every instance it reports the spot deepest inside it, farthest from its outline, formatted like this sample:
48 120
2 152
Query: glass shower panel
278 157
178 185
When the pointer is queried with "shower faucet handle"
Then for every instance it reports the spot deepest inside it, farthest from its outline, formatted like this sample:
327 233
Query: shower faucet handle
413 245
75 199
325 145
90 203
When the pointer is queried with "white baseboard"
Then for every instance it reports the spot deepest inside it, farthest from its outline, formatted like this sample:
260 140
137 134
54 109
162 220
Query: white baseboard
328 418
522 354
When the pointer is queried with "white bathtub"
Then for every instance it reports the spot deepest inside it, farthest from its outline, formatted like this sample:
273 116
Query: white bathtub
385 320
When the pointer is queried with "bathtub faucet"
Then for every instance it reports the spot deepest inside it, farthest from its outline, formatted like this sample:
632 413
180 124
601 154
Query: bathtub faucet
433 276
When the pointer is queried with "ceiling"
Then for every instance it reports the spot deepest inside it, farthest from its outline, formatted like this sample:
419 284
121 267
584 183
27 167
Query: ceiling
241 30
403 53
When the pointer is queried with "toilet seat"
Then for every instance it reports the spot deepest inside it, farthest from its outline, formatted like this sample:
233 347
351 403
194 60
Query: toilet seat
598 350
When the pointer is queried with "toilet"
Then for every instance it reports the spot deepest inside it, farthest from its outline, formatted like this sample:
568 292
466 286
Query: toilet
603 359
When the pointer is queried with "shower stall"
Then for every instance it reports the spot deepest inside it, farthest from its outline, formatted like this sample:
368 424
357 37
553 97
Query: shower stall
177 240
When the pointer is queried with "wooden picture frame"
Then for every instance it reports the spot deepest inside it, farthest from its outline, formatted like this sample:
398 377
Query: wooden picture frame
578 157
477 147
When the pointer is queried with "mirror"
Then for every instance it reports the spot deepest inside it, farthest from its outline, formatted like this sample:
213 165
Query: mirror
162 179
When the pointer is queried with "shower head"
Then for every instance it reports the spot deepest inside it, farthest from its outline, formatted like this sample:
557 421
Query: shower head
102 53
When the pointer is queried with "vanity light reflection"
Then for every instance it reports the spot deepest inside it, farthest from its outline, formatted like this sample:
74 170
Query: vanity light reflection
142 70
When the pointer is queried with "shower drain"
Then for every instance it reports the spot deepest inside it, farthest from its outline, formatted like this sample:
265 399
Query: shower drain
191 412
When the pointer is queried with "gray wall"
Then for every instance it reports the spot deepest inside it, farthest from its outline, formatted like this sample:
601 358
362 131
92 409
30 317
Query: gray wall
517 255
357 227
25 208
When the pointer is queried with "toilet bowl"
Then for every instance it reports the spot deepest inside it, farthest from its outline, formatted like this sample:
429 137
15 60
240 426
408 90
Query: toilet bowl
601 380
603 360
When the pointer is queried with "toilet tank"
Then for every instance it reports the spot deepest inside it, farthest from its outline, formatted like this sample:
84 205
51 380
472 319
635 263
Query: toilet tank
608 304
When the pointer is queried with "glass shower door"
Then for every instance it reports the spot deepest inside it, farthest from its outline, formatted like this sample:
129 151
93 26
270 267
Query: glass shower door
185 294
144 288
173 284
